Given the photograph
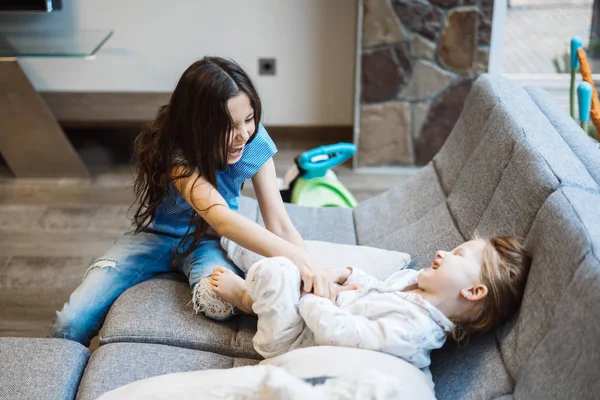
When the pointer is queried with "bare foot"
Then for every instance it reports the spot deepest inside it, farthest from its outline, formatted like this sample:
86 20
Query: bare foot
230 288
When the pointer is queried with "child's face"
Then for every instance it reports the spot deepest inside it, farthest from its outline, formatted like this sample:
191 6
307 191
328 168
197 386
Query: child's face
452 274
242 114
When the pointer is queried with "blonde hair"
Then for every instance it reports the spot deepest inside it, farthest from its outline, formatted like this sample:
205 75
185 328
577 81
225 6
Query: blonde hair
504 272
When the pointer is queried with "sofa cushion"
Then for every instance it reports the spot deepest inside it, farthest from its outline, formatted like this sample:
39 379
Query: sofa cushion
474 372
581 144
318 361
556 319
433 231
399 207
412 218
40 368
497 175
159 311
477 182
328 224
564 365
118 364
543 137
377 262
525 184
299 374
495 172
248 207
558 241
467 132
516 104
521 159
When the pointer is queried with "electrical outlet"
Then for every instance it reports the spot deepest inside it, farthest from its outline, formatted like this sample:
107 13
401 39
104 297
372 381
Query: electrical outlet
267 66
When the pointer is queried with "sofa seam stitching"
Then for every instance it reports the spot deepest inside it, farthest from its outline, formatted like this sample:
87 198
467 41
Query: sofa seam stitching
123 339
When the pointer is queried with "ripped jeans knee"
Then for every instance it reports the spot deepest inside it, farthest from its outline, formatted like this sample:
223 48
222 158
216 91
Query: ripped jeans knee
101 263
83 314
205 300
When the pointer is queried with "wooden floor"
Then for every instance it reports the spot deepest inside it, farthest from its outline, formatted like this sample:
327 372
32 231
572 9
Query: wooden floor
51 230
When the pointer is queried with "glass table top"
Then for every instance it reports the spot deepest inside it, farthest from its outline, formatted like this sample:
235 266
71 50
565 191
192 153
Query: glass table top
80 43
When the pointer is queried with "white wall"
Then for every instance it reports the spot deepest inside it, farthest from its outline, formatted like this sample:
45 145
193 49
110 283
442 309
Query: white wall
155 40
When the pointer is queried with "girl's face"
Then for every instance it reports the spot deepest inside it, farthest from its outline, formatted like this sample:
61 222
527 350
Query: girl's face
454 274
244 126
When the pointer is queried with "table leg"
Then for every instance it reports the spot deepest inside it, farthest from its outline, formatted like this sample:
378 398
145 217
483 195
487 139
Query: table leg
31 140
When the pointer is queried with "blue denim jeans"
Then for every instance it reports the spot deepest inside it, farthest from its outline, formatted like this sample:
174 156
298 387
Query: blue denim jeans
131 260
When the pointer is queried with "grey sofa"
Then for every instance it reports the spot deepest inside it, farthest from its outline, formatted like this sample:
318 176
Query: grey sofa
513 164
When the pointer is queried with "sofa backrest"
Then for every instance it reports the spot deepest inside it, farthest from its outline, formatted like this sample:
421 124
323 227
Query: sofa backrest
514 164
501 161
579 144
552 346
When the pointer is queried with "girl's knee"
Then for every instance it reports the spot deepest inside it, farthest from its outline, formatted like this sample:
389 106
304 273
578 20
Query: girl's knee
99 266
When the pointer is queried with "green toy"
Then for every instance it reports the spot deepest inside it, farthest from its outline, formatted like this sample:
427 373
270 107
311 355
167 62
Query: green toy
313 184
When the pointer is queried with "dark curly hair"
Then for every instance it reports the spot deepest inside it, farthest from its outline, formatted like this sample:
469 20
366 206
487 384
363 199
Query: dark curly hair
191 132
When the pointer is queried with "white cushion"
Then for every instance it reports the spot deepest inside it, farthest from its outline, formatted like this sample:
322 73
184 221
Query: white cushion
377 262
316 361
361 374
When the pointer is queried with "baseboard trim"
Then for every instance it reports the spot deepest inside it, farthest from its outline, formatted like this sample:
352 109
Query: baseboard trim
114 111
325 134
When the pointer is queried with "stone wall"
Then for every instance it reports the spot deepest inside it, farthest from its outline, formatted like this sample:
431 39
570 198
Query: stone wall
418 61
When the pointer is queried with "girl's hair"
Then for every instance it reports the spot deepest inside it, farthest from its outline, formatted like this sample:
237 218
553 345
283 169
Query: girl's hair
192 132
504 272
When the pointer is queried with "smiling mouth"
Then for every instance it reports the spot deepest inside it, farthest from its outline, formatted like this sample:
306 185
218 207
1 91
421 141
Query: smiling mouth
236 151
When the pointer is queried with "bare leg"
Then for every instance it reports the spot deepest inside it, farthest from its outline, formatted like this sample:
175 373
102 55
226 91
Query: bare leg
230 288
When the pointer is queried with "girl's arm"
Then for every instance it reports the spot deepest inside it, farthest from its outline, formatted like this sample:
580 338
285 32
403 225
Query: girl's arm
213 208
271 205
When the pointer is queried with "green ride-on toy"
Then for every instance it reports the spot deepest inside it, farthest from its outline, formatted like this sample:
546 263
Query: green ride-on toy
312 183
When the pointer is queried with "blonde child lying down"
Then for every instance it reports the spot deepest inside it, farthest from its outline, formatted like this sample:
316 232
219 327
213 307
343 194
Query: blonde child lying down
473 288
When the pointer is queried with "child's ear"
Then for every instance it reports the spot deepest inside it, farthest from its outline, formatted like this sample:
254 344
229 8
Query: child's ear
474 293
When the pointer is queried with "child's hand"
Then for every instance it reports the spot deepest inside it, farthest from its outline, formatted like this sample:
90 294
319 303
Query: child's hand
340 289
337 289
323 282
339 274
316 280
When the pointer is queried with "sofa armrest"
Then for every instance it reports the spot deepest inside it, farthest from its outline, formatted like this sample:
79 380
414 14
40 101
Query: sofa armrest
40 368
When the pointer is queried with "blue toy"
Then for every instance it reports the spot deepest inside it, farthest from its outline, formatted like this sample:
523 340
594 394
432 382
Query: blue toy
312 183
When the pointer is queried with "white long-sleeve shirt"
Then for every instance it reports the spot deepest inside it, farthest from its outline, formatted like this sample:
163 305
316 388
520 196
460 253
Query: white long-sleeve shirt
379 316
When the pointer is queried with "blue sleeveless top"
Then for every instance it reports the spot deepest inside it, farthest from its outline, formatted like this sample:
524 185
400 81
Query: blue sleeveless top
173 214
